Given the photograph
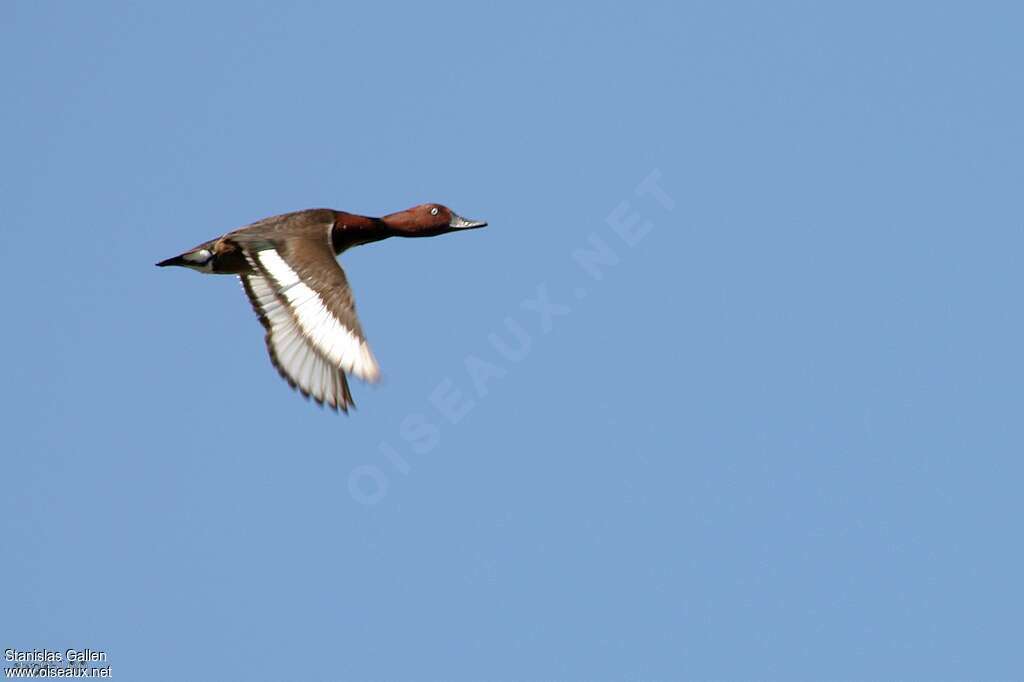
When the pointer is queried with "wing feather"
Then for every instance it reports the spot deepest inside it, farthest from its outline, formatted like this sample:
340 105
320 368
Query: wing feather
297 360
303 299
321 305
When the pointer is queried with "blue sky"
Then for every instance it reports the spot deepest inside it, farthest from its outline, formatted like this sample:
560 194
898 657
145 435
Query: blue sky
779 436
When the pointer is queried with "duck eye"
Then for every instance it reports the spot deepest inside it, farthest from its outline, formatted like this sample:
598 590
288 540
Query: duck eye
433 211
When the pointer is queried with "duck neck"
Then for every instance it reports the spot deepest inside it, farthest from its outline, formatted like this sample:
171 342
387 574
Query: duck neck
352 230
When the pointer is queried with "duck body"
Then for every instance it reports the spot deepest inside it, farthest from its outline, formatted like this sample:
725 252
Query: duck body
287 267
225 255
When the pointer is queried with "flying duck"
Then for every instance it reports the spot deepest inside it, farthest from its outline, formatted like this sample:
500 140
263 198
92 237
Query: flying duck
288 270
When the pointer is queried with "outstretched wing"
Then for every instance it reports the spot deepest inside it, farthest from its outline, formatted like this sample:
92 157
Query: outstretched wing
304 302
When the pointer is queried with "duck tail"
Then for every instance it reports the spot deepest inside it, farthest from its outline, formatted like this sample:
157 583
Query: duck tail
199 258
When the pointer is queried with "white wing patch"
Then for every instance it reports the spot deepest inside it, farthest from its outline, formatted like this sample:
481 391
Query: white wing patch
296 356
310 320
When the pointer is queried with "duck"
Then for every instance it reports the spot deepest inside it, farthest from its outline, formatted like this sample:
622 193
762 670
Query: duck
287 265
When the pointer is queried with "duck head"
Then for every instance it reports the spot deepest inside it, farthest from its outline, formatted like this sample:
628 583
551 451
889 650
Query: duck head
428 220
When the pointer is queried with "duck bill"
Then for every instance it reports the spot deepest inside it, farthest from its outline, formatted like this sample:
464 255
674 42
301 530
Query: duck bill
459 223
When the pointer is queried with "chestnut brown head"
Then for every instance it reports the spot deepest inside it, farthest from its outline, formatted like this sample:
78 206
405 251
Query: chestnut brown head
428 220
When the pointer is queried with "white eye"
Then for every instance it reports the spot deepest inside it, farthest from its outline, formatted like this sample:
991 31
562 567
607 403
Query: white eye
433 211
